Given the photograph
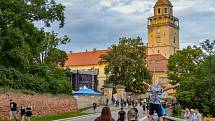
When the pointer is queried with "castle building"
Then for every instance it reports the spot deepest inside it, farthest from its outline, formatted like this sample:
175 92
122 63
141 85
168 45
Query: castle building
86 70
163 30
163 41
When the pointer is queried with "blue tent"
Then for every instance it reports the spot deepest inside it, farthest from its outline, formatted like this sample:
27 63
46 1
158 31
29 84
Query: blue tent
87 92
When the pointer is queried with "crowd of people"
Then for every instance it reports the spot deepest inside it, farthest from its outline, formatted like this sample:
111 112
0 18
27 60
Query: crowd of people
153 105
106 115
132 113
25 111
192 115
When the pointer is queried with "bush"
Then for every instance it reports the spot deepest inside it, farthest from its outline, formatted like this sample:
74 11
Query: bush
40 79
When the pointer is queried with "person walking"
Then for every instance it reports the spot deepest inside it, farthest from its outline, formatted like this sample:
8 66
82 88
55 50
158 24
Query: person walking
199 115
187 115
155 101
141 103
122 103
22 112
105 115
29 112
94 107
121 115
144 107
136 111
132 115
13 110
107 102
194 116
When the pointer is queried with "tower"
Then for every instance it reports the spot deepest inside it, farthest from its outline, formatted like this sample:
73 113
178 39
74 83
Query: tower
163 30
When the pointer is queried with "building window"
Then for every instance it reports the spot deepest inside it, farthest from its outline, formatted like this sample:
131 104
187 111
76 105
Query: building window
158 51
165 9
174 40
159 10
170 11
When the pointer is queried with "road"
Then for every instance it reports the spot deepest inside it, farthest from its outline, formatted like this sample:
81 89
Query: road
91 117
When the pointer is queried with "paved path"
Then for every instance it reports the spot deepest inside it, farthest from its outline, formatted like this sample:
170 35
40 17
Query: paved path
114 112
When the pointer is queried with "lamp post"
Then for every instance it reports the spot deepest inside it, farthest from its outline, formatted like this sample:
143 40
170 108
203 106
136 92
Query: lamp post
154 63
71 73
92 70
77 79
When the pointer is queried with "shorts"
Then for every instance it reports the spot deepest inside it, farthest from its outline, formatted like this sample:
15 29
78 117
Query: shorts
28 113
13 113
155 108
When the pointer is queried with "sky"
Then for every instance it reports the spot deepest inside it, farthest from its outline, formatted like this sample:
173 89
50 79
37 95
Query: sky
100 23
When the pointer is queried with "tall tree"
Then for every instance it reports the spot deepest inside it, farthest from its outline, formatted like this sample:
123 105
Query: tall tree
194 68
29 55
21 43
181 67
127 64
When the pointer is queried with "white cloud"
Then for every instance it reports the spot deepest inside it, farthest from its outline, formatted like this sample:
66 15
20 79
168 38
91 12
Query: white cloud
99 23
136 6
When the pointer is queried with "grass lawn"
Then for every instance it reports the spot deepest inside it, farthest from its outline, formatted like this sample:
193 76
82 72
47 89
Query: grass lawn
60 116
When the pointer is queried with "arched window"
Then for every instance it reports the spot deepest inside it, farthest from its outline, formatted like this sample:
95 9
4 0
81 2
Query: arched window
159 10
165 10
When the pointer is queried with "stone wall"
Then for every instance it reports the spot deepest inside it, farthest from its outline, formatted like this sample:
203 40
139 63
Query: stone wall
87 101
42 104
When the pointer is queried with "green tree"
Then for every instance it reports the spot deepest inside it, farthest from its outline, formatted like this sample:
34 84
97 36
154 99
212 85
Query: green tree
29 57
181 68
127 64
21 43
194 68
205 96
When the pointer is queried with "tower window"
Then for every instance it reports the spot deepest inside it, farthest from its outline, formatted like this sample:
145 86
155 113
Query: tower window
174 40
165 9
158 51
159 10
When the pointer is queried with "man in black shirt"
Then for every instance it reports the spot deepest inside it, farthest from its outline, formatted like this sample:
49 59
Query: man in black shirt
13 109
121 116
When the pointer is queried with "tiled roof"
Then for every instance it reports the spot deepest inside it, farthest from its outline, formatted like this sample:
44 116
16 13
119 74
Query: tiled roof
156 57
84 58
157 61
160 66
92 58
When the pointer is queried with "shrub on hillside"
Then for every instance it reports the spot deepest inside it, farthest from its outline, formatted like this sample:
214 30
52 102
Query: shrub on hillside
40 79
